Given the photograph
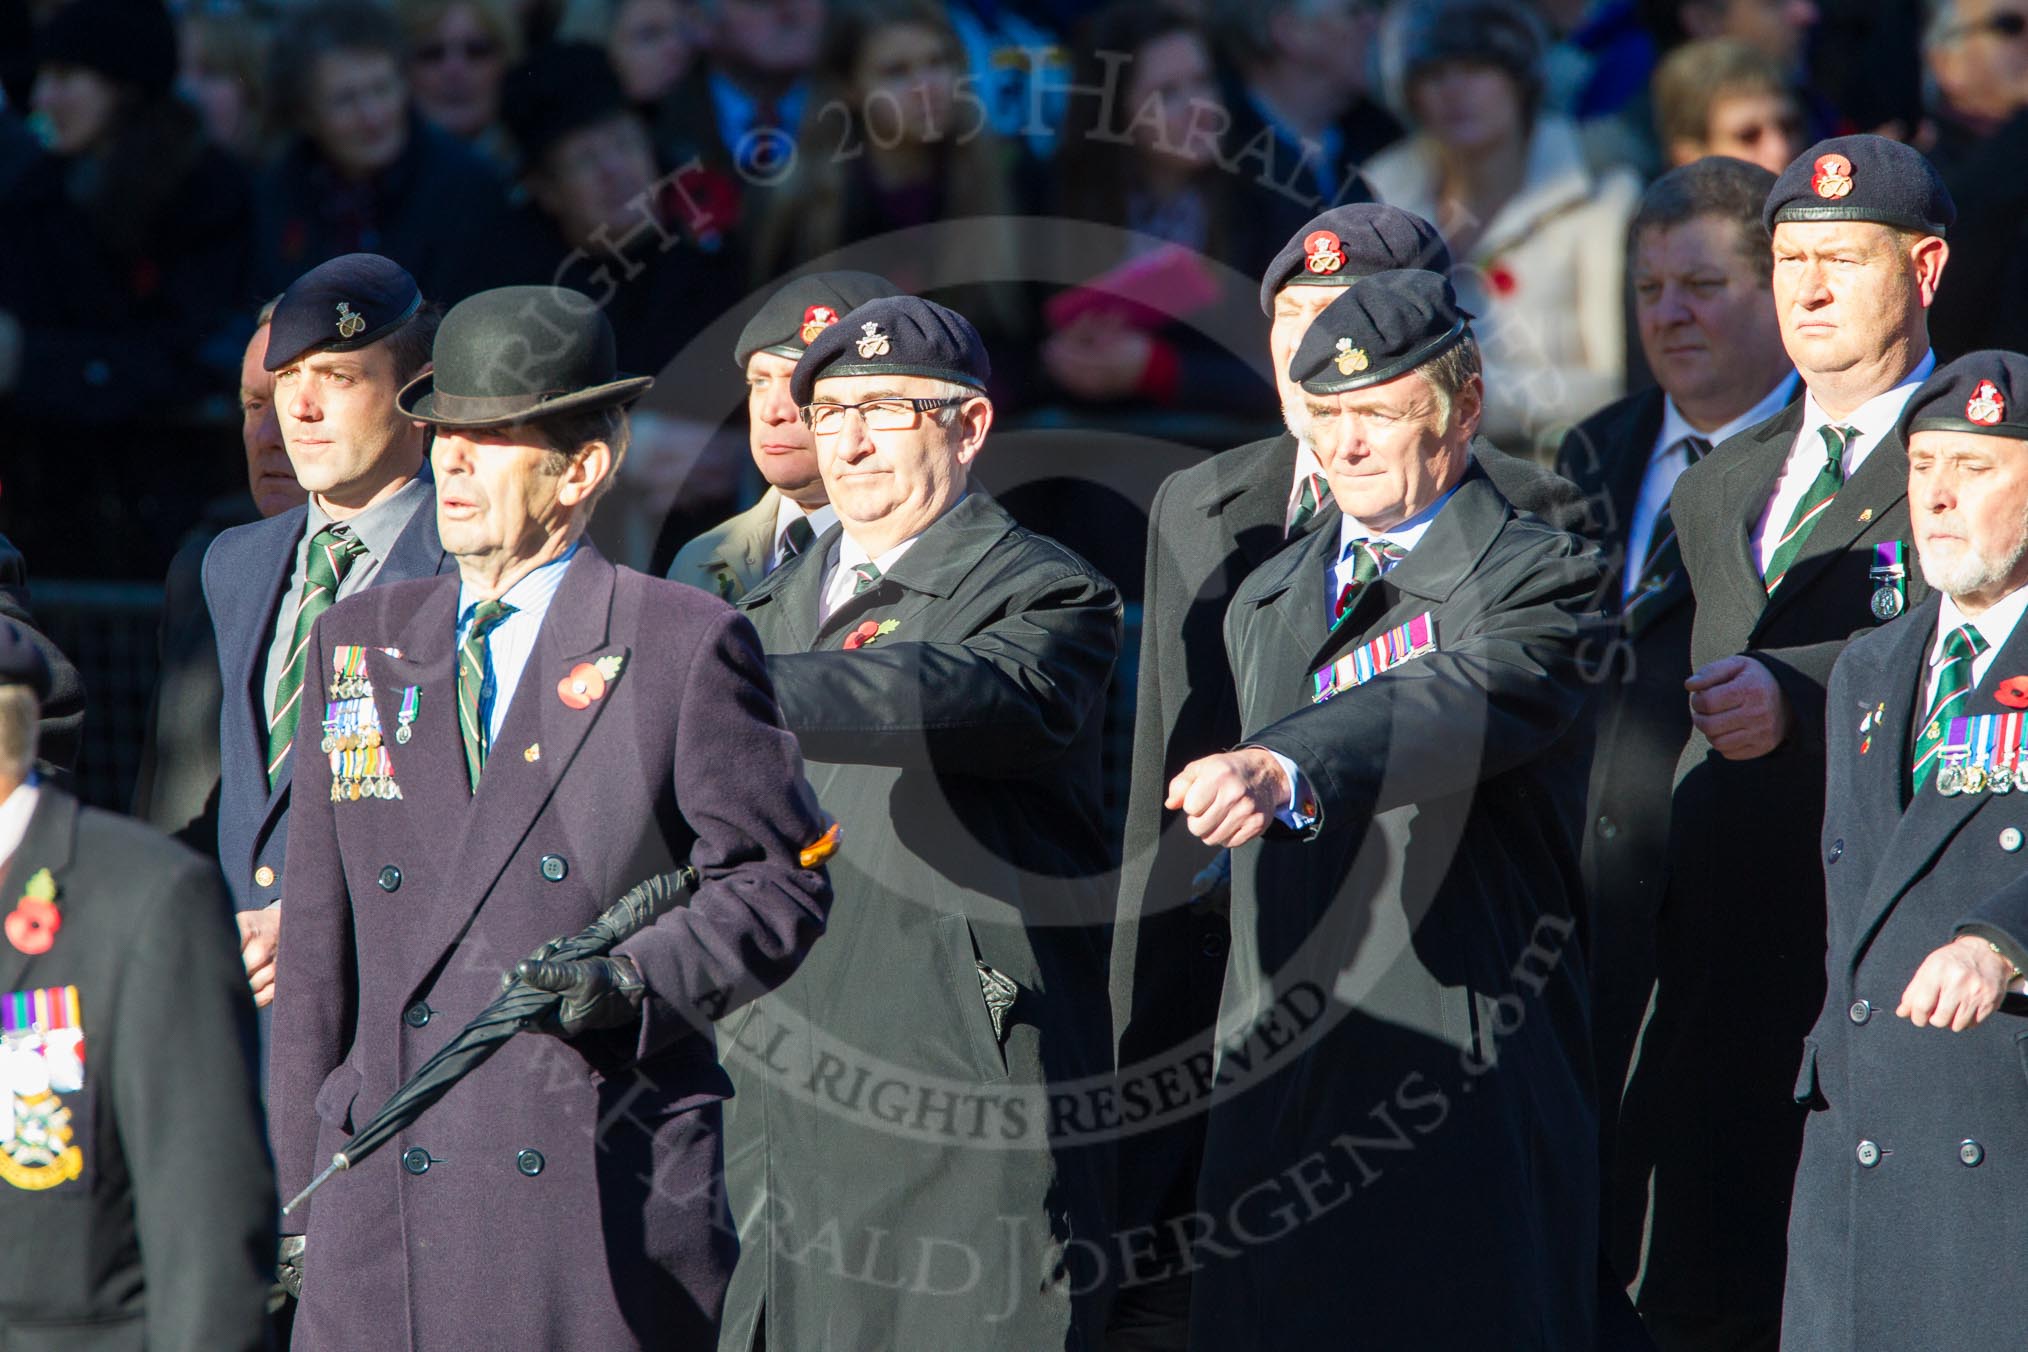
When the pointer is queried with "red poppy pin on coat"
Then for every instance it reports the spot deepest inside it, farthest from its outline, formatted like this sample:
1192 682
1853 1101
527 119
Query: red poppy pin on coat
869 632
2013 692
587 681
33 924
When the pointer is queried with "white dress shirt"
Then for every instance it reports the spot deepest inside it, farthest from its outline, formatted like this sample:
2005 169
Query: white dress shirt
839 579
510 643
1667 460
1874 419
15 810
1404 537
1996 626
786 511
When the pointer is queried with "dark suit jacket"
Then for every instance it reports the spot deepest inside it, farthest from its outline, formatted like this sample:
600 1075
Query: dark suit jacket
1209 527
960 752
1643 721
1403 1023
166 1238
1872 1265
567 1194
1707 1122
246 572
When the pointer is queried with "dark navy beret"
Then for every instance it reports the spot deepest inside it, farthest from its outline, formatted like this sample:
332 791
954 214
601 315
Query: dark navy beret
1383 326
1862 178
21 662
895 336
340 305
793 317
1983 392
1350 242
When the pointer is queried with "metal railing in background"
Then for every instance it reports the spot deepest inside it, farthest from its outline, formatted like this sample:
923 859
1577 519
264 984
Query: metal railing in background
109 630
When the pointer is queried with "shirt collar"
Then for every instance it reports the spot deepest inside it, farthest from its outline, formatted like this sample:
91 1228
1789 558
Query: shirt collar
1675 426
530 592
15 810
1876 417
1996 626
380 525
787 511
1406 535
1307 464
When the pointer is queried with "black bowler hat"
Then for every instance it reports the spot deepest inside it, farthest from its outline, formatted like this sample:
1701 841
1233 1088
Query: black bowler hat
1383 326
895 336
1350 242
21 662
518 353
1981 392
130 42
1862 178
793 317
341 306
563 88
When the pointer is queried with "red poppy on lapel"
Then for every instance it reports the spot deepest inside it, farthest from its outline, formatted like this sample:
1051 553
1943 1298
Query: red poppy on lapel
33 925
581 687
2013 692
868 631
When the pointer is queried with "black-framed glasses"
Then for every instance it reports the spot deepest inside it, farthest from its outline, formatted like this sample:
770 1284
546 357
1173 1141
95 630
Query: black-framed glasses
889 414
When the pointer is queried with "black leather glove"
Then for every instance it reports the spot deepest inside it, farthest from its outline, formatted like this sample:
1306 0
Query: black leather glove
597 993
289 1266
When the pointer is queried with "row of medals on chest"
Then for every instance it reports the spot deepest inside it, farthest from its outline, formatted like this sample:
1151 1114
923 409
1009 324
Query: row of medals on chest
351 724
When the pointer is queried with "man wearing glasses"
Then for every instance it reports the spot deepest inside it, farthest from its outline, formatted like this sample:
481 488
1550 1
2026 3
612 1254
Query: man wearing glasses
911 1153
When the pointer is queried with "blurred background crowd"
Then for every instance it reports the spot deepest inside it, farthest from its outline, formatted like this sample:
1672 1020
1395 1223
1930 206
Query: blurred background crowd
1097 187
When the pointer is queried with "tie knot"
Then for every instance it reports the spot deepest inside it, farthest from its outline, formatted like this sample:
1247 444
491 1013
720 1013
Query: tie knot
332 552
1695 448
1836 439
865 576
1962 642
487 616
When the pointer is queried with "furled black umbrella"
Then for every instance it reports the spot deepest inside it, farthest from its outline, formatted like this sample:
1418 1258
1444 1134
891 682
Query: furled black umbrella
517 1006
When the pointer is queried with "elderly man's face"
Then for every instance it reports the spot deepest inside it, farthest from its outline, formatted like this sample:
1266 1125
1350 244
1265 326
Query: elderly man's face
269 476
1844 292
1705 313
503 495
783 448
1388 449
890 485
1968 494
1295 308
340 423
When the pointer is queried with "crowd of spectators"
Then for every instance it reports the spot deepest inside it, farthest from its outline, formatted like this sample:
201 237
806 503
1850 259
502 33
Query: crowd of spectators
1096 186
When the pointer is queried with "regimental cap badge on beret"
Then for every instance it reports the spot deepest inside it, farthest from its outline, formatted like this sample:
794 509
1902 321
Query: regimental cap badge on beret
1987 406
1351 360
872 340
1832 177
1324 252
350 323
816 319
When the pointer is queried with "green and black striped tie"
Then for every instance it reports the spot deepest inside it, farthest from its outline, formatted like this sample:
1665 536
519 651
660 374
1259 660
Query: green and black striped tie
1665 553
332 552
1816 501
473 662
1953 683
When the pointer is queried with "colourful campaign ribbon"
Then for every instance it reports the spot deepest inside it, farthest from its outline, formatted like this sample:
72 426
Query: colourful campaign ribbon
1362 664
40 1011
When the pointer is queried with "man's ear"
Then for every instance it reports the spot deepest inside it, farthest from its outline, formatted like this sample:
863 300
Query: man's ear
975 420
1927 257
1468 406
586 470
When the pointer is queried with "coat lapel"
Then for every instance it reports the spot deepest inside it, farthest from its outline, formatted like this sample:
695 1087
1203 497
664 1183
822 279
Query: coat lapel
932 568
785 601
1751 469
1868 495
1291 585
514 789
50 842
426 659
1931 819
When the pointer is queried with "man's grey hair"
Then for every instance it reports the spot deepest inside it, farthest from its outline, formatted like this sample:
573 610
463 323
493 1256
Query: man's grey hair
19 715
950 389
1449 372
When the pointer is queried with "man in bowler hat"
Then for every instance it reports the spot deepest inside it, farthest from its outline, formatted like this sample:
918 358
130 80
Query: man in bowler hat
496 756
1916 1143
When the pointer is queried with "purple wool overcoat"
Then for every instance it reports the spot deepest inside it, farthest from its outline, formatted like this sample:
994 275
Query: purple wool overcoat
565 1195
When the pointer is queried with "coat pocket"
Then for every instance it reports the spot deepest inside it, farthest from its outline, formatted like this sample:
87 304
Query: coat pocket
981 1044
336 1096
1806 1077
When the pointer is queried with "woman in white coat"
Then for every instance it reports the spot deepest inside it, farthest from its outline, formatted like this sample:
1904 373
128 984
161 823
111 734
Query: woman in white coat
1540 238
